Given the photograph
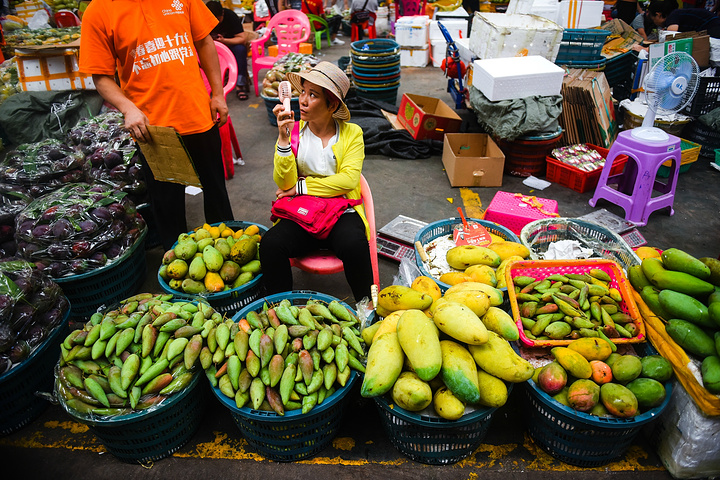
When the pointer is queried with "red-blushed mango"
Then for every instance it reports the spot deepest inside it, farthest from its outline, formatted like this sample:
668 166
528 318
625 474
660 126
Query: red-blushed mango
552 378
583 395
601 372
619 400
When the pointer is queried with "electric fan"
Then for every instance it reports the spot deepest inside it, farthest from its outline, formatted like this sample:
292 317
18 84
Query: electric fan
669 86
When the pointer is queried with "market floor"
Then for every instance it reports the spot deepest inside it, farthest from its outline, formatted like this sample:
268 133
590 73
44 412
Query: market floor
55 445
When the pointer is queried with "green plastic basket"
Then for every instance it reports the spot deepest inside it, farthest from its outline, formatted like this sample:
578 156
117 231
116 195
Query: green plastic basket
155 433
434 440
106 285
230 301
18 403
293 436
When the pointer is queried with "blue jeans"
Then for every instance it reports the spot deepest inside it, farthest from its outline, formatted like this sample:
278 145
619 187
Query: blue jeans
240 52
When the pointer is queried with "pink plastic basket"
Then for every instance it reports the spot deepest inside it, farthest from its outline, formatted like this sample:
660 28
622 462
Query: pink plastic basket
510 211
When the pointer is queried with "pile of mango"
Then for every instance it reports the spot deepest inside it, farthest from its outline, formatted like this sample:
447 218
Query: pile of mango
9 80
133 357
448 350
487 265
45 36
572 305
285 356
212 259
590 376
684 292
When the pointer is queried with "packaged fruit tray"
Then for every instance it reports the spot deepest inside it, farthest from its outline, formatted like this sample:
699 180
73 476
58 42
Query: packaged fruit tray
580 438
541 269
445 227
293 435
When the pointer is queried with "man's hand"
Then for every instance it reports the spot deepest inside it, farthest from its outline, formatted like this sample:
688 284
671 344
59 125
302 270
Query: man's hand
136 123
218 110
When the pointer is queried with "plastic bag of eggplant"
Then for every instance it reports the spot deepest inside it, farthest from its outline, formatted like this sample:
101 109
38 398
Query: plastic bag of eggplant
13 199
31 307
77 228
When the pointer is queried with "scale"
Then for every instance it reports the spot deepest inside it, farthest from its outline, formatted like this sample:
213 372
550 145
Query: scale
395 240
619 225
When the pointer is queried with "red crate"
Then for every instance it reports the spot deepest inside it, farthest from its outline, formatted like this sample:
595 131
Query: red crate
574 178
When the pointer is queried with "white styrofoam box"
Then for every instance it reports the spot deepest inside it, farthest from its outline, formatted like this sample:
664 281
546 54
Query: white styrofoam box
439 49
414 57
458 12
498 35
457 28
466 55
551 11
412 31
517 77
587 14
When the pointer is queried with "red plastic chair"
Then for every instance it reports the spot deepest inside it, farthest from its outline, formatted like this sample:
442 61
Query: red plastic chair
323 262
408 8
292 27
66 18
228 72
368 25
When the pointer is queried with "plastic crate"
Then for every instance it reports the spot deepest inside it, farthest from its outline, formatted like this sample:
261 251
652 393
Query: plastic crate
229 301
18 403
293 436
538 236
593 65
445 228
707 97
579 180
689 155
581 45
106 285
579 438
434 440
155 433
708 138
544 268
507 210
619 68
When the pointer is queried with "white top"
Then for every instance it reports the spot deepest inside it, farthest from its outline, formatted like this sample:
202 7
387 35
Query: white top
313 159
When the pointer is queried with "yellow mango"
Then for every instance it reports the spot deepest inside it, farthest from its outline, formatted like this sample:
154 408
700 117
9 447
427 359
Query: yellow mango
573 362
201 234
498 321
243 250
213 282
497 358
462 256
447 405
453 278
419 340
368 333
384 364
214 232
400 297
496 238
252 230
592 348
500 272
493 391
495 295
459 371
389 324
458 321
475 300
427 286
509 249
381 312
226 233
482 274
411 392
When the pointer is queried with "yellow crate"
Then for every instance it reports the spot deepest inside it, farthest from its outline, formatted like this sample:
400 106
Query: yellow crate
51 69
27 9
304 48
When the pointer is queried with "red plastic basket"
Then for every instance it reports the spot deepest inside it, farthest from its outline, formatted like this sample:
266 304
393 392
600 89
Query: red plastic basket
545 268
576 179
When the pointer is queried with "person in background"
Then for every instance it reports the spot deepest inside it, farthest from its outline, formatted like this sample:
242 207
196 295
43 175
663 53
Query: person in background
155 56
645 27
359 6
666 15
230 32
316 7
328 163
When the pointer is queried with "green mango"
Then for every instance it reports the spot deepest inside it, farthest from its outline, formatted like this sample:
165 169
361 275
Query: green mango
213 258
197 269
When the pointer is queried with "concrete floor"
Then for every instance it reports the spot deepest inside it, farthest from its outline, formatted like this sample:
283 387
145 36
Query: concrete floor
54 445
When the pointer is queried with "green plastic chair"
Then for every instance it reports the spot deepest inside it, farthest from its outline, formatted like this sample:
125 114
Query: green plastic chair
319 33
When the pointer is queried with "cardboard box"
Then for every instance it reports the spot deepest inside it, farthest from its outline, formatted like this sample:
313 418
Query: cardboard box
700 45
427 117
472 160
517 77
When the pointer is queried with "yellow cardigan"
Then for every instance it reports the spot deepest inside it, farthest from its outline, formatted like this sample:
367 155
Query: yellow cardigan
350 154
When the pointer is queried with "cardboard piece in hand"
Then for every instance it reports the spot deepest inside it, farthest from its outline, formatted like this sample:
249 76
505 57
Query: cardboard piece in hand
167 157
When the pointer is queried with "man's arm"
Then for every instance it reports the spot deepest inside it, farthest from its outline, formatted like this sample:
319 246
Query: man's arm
211 66
135 120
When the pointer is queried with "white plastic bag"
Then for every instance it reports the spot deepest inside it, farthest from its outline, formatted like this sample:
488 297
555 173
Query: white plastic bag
407 272
39 20
261 9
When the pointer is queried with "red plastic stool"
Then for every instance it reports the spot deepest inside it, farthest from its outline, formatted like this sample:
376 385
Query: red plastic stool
369 25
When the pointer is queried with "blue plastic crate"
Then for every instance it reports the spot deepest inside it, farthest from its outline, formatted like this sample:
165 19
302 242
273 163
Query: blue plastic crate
581 45
445 227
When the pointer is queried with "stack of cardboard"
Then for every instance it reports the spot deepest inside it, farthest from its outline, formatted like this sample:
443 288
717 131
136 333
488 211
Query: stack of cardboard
588 115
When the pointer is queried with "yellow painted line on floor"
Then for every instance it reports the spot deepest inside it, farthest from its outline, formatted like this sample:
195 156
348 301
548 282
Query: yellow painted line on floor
471 203
74 436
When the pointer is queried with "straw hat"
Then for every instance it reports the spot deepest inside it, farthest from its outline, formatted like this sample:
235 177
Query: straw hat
330 77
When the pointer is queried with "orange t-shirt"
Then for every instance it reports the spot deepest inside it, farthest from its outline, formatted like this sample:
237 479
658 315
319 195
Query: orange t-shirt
150 44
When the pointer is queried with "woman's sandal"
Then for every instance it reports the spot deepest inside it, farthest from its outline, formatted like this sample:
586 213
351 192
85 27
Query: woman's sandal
241 94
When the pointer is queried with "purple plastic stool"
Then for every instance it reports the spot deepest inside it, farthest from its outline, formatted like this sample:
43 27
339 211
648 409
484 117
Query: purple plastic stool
636 183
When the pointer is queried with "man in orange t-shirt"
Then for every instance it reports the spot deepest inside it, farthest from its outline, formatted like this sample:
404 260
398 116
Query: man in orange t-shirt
154 47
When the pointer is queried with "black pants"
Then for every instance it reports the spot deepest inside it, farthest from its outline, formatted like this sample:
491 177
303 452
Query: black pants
347 240
167 200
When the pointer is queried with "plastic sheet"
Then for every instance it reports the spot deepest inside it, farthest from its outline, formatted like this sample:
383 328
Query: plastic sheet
77 228
31 306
